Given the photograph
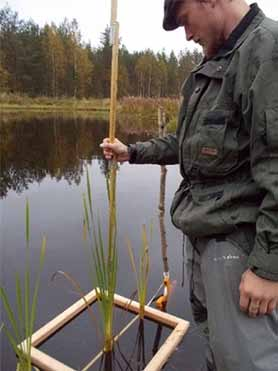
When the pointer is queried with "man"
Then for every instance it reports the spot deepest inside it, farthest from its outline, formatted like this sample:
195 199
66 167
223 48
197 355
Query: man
227 204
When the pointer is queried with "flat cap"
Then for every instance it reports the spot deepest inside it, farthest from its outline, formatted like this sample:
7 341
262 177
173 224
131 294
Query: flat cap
170 14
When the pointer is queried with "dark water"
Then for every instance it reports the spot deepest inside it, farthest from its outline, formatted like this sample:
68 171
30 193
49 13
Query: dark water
43 158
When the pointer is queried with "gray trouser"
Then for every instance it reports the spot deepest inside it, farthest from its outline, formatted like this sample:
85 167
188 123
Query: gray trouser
236 342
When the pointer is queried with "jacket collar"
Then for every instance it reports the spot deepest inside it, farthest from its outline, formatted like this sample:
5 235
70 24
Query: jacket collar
248 23
240 29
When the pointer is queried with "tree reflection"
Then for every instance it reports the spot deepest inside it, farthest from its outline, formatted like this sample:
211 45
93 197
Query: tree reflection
32 148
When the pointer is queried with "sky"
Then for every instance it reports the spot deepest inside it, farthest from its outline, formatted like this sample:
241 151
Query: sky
140 21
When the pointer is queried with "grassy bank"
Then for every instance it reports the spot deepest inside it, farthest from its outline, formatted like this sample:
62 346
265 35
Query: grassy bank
23 102
132 110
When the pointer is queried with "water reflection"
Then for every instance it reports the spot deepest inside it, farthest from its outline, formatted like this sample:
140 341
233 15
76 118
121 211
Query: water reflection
55 146
47 155
138 356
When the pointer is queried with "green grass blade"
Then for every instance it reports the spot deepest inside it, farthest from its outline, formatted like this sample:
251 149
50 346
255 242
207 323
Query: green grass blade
99 261
89 193
85 230
27 303
86 213
19 304
37 285
88 251
10 313
107 179
99 270
90 226
12 342
132 260
114 270
100 249
27 272
27 222
23 318
142 273
104 260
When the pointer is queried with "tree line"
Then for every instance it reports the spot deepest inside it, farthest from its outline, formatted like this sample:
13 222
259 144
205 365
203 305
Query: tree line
53 61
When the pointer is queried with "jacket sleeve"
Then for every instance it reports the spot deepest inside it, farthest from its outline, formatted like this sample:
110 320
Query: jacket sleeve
263 116
161 151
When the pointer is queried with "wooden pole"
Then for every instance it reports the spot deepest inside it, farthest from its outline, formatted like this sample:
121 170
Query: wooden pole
112 125
161 207
111 256
114 10
114 69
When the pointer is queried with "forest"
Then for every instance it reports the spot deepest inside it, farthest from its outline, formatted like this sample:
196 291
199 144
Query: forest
53 61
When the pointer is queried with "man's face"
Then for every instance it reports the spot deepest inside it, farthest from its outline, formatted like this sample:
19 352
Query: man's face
203 24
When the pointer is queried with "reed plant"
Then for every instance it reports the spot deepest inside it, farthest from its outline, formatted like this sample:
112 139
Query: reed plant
146 108
142 273
103 262
21 320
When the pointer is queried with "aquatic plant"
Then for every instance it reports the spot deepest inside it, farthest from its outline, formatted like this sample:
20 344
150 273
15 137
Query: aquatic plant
146 109
102 263
22 319
142 273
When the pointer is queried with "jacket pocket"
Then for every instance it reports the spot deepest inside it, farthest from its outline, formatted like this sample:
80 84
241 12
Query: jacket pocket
180 195
214 145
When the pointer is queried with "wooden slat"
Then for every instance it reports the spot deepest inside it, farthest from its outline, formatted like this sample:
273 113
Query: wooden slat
51 327
47 363
151 313
168 347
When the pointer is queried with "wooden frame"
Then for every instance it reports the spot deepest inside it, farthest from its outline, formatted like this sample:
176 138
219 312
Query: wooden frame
47 363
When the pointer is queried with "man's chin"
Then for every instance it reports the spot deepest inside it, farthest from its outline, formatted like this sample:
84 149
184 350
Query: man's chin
208 52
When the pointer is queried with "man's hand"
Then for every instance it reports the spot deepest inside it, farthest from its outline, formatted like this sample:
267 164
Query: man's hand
117 150
257 295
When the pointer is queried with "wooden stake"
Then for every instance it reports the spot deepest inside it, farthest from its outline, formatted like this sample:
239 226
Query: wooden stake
114 8
114 70
161 207
113 170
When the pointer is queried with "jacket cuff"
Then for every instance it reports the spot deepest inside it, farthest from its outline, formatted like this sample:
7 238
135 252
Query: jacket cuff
132 152
264 265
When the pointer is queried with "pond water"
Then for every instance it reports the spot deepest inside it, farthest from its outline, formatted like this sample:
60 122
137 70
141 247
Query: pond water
44 158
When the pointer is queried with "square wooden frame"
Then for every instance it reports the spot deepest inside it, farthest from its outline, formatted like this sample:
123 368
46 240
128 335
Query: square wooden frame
47 363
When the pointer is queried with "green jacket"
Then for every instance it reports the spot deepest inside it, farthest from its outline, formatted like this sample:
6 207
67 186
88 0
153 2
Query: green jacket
227 145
